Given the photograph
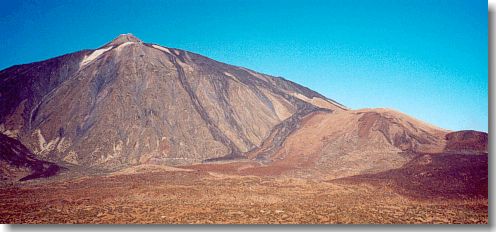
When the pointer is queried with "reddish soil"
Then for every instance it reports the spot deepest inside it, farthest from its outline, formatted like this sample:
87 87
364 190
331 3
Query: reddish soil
198 197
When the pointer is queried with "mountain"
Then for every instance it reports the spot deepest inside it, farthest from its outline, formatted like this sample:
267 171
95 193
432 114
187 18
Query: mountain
130 103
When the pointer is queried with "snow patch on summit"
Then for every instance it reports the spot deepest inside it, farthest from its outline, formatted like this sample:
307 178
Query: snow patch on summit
120 47
94 55
125 44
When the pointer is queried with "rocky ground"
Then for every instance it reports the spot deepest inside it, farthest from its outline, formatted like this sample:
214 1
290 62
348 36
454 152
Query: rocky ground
181 196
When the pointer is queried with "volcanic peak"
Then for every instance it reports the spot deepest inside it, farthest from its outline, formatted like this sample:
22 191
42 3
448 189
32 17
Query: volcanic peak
123 38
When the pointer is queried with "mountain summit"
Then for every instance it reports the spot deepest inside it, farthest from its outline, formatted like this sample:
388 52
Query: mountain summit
123 38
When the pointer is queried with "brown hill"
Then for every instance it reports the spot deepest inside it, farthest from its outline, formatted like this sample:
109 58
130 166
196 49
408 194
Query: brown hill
353 142
467 142
346 143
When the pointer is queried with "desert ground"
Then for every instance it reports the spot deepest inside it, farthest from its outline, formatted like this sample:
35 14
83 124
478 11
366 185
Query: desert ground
172 195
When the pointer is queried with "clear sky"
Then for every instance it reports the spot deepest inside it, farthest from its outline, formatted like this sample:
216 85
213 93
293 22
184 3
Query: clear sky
426 58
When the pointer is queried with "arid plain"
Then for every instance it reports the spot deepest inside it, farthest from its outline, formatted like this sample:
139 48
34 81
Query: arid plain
211 197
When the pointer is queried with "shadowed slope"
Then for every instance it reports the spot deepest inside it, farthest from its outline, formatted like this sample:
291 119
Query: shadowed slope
18 163
435 175
460 170
467 142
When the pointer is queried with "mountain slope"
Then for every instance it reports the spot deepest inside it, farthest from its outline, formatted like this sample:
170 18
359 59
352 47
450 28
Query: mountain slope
352 143
357 141
459 170
429 176
18 163
129 103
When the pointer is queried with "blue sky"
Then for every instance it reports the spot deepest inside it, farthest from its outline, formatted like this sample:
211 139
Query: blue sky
426 58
